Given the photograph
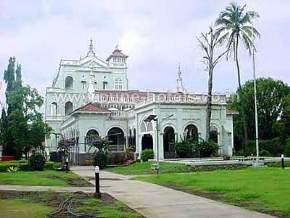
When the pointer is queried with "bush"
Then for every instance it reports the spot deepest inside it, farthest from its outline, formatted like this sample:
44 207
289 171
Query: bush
116 158
185 148
37 161
207 149
147 154
287 148
100 159
274 146
265 153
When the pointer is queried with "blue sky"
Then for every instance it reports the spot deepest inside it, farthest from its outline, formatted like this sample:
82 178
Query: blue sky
157 35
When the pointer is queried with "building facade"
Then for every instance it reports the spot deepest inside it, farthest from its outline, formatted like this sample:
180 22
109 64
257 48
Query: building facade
90 97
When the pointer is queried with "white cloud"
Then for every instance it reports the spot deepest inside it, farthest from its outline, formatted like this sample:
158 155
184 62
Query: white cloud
157 35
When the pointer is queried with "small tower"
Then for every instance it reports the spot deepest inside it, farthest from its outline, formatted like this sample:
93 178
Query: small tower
91 49
179 84
117 58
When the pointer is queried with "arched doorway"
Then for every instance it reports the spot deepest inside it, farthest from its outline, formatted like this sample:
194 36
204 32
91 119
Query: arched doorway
147 141
191 132
213 134
116 137
91 135
168 142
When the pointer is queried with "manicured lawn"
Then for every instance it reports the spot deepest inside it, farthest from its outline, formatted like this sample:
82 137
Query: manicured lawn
261 189
23 208
46 178
145 168
46 204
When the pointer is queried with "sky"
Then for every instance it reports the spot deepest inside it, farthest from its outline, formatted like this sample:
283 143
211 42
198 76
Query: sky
156 34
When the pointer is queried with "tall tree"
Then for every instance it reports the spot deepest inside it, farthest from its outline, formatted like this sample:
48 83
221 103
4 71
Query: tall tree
273 109
23 124
209 42
237 25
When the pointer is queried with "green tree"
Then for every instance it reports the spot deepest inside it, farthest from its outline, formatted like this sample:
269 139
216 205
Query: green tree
22 126
273 108
237 25
209 43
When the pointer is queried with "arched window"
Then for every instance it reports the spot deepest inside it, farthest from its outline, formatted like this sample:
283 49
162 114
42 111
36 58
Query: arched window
191 132
105 85
53 109
68 108
91 135
116 137
118 84
69 82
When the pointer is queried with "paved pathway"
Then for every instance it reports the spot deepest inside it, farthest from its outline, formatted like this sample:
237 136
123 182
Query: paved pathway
157 202
46 188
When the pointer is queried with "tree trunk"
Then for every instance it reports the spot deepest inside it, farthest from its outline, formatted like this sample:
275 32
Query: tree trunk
208 104
240 93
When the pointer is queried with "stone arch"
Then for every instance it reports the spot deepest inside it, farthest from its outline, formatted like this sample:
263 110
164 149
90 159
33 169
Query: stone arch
68 108
168 142
191 132
69 82
213 134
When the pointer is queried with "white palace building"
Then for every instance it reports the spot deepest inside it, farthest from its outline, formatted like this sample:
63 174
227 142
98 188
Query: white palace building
90 96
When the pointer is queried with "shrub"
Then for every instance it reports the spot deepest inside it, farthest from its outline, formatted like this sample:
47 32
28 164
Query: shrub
100 159
265 153
185 148
287 148
147 154
37 161
207 149
274 146
116 158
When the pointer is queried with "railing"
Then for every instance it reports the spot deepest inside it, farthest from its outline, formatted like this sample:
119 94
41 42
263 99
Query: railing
122 114
181 98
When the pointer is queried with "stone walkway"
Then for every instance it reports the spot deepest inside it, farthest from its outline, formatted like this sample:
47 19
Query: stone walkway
157 201
23 188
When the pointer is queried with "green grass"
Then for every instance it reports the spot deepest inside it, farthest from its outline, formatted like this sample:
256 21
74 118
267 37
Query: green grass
14 208
106 209
41 204
262 189
145 168
42 178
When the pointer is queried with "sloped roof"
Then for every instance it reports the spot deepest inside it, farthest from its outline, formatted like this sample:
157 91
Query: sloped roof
231 111
92 107
117 53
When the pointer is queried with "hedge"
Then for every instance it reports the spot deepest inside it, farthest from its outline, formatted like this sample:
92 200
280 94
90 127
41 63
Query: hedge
23 165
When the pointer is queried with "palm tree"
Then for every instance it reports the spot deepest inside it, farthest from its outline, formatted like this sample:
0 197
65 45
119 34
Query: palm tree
236 24
209 42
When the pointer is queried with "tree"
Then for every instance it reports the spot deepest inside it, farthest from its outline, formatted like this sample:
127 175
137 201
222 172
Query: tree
22 126
209 42
237 24
273 108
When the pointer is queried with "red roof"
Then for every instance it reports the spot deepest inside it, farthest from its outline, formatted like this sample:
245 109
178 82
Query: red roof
231 111
117 53
93 107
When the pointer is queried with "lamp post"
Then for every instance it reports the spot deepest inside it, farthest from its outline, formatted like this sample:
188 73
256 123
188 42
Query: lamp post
255 99
155 118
